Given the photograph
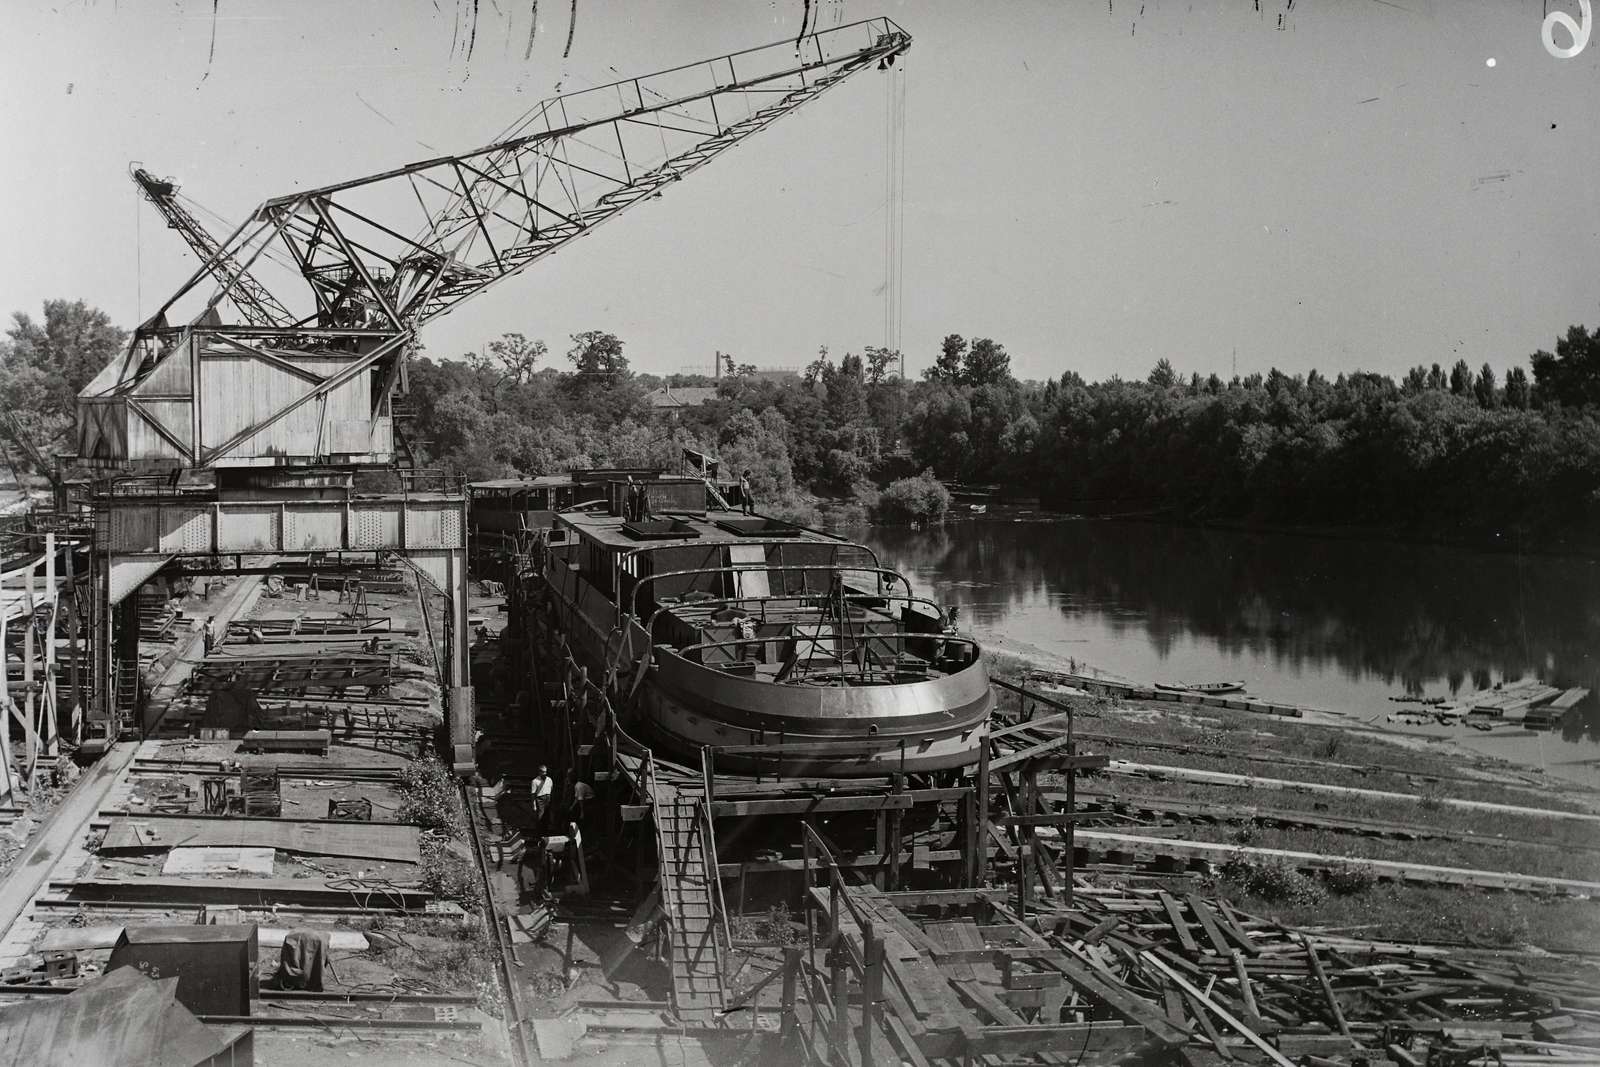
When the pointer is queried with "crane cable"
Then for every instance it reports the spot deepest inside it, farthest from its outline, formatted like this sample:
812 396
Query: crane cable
894 211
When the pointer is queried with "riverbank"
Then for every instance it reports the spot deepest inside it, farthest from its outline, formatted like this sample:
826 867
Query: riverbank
1347 803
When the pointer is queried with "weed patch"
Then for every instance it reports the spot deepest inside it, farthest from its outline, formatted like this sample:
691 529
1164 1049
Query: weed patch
430 797
1272 880
773 927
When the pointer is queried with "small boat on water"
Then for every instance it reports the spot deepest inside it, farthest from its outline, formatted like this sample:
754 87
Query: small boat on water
978 509
1202 687
783 649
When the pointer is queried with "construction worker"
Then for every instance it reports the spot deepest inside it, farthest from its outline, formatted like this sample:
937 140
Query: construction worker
213 634
747 494
541 793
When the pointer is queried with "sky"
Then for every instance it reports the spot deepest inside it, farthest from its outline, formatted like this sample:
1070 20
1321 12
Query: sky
1096 184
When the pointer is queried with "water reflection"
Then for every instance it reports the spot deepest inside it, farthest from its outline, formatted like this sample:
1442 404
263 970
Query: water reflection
1355 621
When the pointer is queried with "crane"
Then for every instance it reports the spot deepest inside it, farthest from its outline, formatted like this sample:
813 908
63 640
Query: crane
381 256
258 306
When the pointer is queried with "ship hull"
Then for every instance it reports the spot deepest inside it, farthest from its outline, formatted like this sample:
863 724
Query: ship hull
758 727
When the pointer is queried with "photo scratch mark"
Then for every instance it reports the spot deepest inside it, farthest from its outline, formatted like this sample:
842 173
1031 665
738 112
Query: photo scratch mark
533 28
212 54
572 25
472 38
374 110
1369 100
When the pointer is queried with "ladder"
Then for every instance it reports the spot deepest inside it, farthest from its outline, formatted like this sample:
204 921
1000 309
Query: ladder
689 890
125 697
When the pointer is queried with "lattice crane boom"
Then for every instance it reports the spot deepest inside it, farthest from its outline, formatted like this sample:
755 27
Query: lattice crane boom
462 223
380 256
254 301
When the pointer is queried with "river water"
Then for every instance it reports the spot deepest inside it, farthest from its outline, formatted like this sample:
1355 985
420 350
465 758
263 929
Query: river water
1331 624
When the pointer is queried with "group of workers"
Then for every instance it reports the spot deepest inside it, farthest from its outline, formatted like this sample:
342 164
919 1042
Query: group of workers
537 867
636 501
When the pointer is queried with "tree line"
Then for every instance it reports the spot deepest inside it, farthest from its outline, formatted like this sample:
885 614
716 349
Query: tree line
1439 448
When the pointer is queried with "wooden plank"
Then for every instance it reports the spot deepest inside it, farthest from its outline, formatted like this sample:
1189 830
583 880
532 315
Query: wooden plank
1206 1027
1234 929
1249 1035
1327 986
1033 724
917 898
1119 999
1175 914
986 1001
1208 923
721 809
1072 1040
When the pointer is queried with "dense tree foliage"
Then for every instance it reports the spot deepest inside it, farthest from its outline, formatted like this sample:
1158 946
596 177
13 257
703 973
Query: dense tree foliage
1440 447
43 365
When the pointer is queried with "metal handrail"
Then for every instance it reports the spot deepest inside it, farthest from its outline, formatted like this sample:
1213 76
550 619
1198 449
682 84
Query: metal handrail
835 874
857 638
708 853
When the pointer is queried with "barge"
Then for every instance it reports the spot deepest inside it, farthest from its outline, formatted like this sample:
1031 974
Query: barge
785 650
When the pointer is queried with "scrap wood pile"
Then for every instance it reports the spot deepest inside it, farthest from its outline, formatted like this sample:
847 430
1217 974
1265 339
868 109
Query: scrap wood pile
1135 971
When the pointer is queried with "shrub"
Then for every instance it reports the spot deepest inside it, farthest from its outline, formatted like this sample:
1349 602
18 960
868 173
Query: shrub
449 877
429 796
773 927
1273 880
919 499
1350 881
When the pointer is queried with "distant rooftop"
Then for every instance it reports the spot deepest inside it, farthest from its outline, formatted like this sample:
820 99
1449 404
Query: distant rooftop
670 399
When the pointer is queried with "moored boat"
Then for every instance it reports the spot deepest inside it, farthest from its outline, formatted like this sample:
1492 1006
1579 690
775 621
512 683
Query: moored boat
1202 687
784 649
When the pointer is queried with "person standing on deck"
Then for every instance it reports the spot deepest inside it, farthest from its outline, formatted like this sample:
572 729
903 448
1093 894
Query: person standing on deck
747 494
213 634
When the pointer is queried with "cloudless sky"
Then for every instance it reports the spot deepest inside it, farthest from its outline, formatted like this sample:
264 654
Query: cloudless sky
1338 184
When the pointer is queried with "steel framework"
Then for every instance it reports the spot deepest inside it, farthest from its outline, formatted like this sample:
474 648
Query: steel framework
379 257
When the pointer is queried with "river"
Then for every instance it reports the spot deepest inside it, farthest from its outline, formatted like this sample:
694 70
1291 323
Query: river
1332 624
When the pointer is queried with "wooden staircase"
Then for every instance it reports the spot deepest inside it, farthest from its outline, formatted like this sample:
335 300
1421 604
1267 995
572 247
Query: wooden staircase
689 896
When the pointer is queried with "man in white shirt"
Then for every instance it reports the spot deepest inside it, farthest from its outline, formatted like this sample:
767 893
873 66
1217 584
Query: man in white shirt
541 792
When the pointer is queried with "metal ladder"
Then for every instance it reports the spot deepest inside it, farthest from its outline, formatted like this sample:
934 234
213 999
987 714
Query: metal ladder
689 891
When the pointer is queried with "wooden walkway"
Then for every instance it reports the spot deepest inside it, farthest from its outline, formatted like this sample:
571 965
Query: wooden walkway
689 889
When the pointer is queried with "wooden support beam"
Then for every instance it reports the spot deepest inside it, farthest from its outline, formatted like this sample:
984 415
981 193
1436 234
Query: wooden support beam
1327 986
980 852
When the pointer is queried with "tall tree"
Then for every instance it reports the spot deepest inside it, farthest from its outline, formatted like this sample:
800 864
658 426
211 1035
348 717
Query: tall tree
1484 388
63 352
947 367
879 361
1162 376
598 358
1572 375
1517 391
986 363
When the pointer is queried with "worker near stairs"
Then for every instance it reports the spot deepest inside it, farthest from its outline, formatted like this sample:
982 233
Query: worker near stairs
746 494
541 793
